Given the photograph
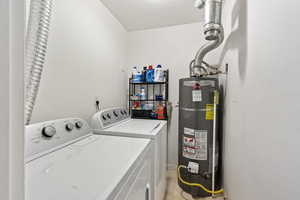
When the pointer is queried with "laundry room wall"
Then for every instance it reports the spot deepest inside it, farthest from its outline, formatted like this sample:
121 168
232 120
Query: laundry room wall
85 60
172 47
262 101
11 100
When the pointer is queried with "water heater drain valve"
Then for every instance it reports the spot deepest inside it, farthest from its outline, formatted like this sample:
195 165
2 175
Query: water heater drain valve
193 168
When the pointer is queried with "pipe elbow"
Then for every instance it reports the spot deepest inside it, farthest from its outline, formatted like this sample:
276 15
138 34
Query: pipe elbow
205 49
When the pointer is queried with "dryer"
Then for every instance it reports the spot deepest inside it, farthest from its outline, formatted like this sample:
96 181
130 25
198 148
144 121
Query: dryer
64 160
117 122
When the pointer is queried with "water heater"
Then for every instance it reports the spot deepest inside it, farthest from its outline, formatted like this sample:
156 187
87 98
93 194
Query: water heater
199 136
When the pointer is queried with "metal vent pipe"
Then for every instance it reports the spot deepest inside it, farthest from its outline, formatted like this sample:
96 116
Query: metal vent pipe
213 31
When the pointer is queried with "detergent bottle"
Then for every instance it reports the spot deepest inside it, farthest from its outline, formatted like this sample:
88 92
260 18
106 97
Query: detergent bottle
150 74
136 75
160 110
159 75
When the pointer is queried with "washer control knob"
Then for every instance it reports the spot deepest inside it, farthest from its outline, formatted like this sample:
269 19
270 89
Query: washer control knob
108 116
48 131
69 126
125 112
122 113
78 124
103 117
115 113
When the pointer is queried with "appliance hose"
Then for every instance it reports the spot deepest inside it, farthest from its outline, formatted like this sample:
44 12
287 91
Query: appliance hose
196 184
36 49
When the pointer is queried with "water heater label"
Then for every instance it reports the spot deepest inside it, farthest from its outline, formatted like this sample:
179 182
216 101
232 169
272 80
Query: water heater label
195 147
189 131
197 95
209 115
189 141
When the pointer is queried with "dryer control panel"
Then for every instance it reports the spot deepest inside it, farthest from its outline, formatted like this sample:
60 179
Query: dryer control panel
109 117
45 137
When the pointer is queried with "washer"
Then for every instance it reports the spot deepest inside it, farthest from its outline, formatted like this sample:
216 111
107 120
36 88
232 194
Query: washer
64 160
117 122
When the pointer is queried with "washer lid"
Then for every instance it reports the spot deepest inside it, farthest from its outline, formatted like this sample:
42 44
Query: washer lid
91 169
138 126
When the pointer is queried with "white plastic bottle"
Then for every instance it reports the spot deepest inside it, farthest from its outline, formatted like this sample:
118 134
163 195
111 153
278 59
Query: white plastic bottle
143 94
159 75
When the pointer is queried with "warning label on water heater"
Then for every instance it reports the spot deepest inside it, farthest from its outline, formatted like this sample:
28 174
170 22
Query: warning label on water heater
209 115
197 95
195 144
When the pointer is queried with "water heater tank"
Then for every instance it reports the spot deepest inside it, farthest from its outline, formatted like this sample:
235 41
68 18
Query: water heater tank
197 120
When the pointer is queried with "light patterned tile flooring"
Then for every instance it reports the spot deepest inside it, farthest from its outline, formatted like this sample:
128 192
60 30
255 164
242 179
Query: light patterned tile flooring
175 193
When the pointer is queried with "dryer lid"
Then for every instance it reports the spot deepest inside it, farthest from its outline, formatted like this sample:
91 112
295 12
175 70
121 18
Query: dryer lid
138 126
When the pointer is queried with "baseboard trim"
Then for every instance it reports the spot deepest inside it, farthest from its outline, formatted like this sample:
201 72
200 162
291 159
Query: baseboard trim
172 167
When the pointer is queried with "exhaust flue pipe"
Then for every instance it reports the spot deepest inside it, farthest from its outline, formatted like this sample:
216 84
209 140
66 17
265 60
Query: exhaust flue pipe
213 31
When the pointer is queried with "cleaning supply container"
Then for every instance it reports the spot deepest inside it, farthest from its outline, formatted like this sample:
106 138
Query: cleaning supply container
159 74
136 75
150 74
144 72
143 94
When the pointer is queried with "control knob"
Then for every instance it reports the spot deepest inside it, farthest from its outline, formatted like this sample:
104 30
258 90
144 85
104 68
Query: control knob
108 116
78 124
48 131
69 126
103 117
115 113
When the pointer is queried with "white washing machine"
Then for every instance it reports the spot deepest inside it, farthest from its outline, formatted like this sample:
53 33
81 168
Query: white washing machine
65 161
117 122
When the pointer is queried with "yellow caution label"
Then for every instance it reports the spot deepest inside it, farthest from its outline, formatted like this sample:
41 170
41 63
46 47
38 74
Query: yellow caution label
209 112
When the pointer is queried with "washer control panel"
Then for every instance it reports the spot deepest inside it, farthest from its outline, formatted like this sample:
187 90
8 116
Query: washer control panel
109 117
47 136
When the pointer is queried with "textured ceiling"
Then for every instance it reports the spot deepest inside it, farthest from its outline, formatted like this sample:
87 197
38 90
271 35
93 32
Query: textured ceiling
148 14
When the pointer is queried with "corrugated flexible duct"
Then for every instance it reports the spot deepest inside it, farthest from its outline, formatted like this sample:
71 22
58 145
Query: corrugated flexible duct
36 49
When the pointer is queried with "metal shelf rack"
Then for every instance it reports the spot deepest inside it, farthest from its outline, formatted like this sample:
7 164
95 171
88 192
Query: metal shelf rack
152 89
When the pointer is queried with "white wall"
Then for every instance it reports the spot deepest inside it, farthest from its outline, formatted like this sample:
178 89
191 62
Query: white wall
173 47
11 100
4 100
262 104
86 56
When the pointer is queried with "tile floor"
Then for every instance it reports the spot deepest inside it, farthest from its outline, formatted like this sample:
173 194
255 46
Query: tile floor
174 192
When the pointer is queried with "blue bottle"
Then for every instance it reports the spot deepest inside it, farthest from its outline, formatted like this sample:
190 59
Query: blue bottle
150 74
144 72
136 75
